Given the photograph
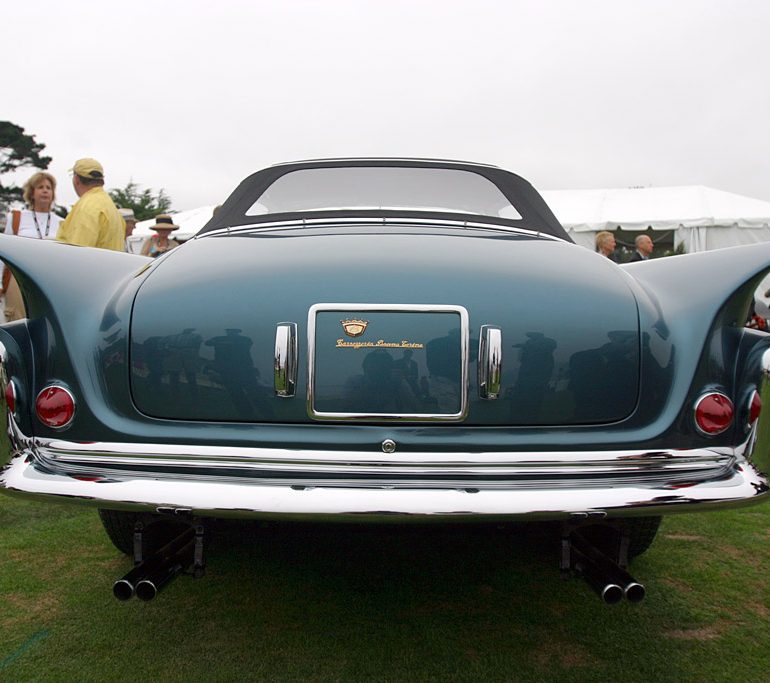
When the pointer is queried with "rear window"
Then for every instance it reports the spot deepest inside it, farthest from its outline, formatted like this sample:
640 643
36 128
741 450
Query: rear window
391 188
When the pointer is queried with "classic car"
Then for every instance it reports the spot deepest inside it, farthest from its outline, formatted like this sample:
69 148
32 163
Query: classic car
384 339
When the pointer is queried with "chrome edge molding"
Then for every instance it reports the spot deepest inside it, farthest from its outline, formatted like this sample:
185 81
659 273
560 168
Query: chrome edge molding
388 417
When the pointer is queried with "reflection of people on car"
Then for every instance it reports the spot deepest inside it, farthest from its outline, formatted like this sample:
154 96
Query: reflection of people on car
182 359
535 370
407 366
236 371
595 373
382 387
442 356
153 358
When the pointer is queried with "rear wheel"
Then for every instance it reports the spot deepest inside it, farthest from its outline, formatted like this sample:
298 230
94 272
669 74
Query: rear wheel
157 529
119 526
641 530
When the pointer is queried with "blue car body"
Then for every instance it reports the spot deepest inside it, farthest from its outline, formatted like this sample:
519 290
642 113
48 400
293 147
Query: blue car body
397 360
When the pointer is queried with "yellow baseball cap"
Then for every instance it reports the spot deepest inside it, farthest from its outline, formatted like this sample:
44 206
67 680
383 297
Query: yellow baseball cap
88 168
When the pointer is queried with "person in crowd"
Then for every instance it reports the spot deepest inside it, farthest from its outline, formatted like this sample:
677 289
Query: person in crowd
644 247
38 221
160 243
94 220
130 221
605 244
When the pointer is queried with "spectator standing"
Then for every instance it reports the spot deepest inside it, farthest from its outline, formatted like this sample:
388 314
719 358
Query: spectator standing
644 248
38 221
605 244
161 242
94 220
130 222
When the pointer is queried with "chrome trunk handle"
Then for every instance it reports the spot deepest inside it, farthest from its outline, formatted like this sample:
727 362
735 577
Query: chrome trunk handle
490 361
285 367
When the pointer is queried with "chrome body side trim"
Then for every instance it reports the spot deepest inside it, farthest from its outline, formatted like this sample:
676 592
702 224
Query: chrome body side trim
285 366
388 417
490 361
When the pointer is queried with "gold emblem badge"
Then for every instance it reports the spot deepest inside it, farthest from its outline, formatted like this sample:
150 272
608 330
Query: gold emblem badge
354 327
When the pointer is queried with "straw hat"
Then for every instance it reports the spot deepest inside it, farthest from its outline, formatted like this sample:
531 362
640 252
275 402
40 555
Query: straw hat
163 221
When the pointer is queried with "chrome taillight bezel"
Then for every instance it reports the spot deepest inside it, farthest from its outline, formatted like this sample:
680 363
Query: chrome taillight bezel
709 395
68 392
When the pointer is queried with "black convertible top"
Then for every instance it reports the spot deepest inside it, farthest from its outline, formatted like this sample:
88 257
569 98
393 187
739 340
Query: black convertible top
534 212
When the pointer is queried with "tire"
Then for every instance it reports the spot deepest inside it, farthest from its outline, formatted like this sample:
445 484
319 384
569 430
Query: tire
642 531
119 526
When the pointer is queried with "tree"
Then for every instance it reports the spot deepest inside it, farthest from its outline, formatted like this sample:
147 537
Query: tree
17 149
143 202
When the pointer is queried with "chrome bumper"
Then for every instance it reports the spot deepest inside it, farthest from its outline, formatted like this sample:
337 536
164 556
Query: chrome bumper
343 485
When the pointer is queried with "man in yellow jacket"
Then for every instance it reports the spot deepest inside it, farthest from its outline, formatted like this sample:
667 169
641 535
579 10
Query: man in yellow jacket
94 220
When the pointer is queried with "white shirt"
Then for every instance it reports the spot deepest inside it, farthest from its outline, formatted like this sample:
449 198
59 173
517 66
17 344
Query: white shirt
46 227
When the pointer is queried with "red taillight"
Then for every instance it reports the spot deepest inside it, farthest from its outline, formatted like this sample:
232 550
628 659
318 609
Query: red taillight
713 413
55 407
755 407
10 396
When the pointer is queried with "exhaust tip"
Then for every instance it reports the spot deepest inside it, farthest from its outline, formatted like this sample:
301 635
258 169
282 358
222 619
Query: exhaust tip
122 590
612 594
146 590
635 592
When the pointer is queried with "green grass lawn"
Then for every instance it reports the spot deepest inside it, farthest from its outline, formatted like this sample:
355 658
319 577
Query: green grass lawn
298 602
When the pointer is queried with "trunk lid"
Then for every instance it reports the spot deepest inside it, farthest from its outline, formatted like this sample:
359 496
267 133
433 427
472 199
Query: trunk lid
203 331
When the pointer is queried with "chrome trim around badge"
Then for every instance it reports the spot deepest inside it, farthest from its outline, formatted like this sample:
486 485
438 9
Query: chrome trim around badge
388 417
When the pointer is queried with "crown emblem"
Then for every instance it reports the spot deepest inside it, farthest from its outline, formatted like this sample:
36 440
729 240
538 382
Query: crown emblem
354 327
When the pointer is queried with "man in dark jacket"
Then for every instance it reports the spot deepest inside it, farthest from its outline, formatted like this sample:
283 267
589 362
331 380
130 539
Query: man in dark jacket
643 248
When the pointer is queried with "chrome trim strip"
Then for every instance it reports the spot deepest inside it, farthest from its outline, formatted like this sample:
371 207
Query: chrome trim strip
369 222
373 468
285 363
707 465
388 417
120 476
490 366
739 485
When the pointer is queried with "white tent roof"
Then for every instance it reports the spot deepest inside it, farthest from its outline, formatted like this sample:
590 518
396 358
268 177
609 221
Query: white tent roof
692 211
662 208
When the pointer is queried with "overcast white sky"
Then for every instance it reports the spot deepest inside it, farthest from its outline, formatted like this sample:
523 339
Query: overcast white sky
193 96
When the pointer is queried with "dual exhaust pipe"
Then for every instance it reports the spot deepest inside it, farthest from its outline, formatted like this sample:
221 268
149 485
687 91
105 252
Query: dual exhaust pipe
154 573
609 581
605 576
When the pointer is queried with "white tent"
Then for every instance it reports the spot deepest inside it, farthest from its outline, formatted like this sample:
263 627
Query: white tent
702 218
189 223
